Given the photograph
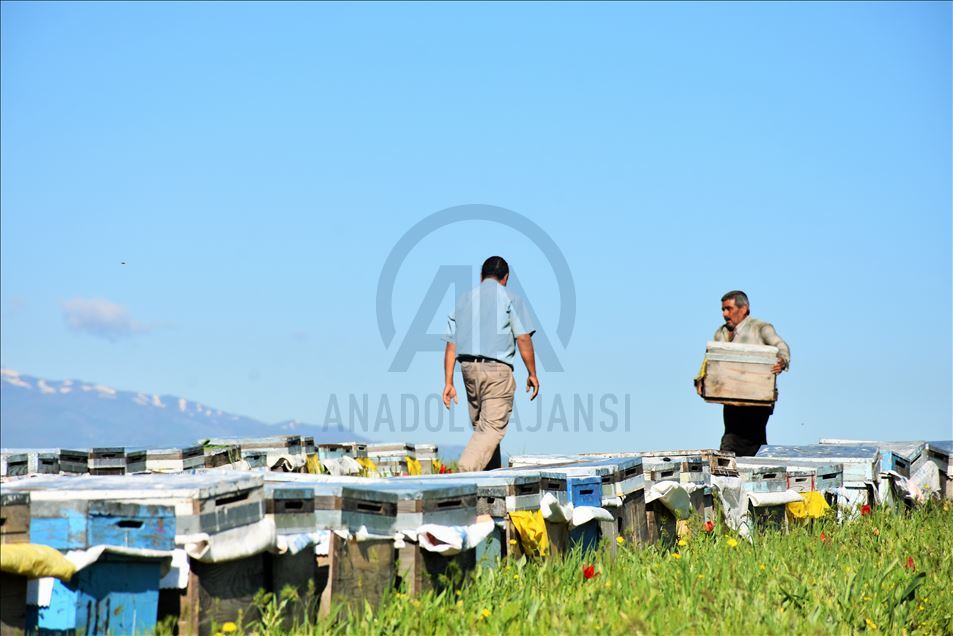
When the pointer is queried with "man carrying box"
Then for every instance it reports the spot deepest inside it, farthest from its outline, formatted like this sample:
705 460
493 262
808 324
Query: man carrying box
746 426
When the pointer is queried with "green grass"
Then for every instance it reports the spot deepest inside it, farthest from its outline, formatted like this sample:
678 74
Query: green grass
858 578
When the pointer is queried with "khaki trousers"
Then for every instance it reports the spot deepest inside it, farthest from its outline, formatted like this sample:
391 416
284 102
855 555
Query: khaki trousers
490 389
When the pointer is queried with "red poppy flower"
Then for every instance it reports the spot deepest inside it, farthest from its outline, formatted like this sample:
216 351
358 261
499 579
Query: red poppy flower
709 526
589 571
825 538
910 564
443 469
864 510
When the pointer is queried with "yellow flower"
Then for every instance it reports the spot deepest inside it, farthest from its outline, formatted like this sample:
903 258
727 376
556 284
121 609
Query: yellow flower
459 603
512 541
761 567
485 613
872 626
620 540
732 543
676 555
682 543
701 577
228 627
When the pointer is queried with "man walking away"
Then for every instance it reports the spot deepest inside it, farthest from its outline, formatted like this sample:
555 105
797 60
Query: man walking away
746 427
486 327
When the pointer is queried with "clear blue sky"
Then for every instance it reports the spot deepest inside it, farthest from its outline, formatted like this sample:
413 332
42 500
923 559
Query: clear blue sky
254 164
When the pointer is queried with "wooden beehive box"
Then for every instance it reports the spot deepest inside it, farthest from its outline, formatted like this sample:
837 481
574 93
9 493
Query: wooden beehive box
627 488
763 478
174 460
861 463
941 454
15 517
342 449
40 461
74 461
740 374
898 457
14 464
218 456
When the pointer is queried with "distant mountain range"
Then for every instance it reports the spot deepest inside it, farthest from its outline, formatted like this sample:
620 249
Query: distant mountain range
39 413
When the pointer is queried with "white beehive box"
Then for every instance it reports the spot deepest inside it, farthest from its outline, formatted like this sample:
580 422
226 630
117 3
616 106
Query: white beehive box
740 374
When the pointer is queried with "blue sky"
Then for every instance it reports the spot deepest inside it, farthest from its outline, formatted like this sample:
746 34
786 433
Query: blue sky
254 164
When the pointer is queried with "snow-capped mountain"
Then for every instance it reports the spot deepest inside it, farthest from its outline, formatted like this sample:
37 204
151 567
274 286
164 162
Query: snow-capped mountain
40 413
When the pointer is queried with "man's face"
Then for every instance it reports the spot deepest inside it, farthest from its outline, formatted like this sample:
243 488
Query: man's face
732 314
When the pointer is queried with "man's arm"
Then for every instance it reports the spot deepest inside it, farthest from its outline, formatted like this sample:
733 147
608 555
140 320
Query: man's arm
449 359
770 337
525 344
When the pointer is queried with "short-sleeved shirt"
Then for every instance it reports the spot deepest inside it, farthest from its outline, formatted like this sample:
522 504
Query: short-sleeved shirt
486 322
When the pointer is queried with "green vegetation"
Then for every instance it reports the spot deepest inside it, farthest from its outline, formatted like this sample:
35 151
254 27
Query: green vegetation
884 572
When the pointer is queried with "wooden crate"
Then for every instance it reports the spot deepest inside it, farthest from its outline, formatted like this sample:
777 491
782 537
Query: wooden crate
661 525
74 461
624 482
355 572
210 502
763 478
719 462
268 452
116 595
14 464
420 571
941 454
218 456
40 461
15 517
174 460
13 608
216 593
861 463
341 449
740 374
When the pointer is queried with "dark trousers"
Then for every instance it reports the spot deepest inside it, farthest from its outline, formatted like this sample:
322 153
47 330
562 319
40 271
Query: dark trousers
746 429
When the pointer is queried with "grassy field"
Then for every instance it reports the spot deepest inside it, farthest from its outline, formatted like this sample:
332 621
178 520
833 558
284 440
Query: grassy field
888 573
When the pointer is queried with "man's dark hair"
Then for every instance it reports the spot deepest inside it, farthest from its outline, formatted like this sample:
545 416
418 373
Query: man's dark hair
494 267
740 298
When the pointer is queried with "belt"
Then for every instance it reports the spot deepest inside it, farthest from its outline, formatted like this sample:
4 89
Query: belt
466 358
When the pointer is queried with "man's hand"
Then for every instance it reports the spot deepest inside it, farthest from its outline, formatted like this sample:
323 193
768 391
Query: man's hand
779 366
699 386
449 393
532 382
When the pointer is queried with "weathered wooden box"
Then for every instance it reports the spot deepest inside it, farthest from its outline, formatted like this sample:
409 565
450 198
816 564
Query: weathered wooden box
174 460
801 476
342 449
763 478
74 461
861 463
208 502
420 502
390 458
14 517
14 464
623 493
898 457
218 456
343 503
740 374
537 460
941 454
719 462
425 454
40 461
12 604
116 595
116 461
276 451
